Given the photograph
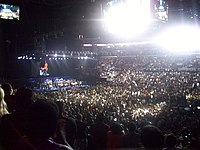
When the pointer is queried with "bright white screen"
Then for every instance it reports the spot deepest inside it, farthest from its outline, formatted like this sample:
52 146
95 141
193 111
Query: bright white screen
128 18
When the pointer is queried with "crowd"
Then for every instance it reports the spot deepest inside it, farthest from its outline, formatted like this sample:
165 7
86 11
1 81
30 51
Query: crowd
147 101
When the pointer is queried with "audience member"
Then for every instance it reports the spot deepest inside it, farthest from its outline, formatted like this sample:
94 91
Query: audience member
99 133
152 137
9 97
60 134
13 126
132 138
114 136
70 131
81 135
170 142
42 122
3 105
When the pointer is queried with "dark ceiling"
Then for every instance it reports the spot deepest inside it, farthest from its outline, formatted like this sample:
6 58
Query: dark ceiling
42 18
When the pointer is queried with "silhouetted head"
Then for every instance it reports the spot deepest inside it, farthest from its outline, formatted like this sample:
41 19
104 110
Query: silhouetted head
7 87
131 126
152 137
79 117
43 117
100 118
24 98
116 128
60 106
170 140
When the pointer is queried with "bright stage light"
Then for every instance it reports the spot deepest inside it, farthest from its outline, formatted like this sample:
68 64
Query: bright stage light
180 39
20 57
87 45
129 18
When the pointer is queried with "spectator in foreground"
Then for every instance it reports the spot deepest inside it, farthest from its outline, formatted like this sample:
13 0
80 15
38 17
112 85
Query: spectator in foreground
152 138
70 131
99 133
114 136
13 126
81 135
170 142
132 138
9 97
43 117
60 135
3 106
65 130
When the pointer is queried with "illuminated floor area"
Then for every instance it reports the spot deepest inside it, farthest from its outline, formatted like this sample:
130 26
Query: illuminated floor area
48 84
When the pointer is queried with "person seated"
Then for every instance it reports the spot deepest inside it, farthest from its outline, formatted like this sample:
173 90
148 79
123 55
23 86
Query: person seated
152 137
170 142
70 130
42 123
13 126
81 135
132 138
9 97
114 136
66 127
3 105
98 133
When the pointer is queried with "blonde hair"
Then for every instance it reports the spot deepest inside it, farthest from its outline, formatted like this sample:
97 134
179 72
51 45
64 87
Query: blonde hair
3 105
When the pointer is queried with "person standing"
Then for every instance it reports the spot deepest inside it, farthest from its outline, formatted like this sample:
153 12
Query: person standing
99 133
81 135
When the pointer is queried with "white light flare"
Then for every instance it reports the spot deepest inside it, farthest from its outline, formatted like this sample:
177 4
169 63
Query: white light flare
129 18
180 39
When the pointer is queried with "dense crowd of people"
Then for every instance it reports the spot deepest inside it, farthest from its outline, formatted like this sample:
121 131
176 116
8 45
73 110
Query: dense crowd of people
145 102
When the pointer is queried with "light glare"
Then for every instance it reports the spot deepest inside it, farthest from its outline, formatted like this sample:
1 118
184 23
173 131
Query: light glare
128 19
180 39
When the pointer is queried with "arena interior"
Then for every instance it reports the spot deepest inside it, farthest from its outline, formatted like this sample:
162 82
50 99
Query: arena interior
100 74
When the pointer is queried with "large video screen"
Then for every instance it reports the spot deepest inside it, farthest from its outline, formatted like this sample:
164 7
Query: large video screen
161 10
44 68
10 12
130 7
128 17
